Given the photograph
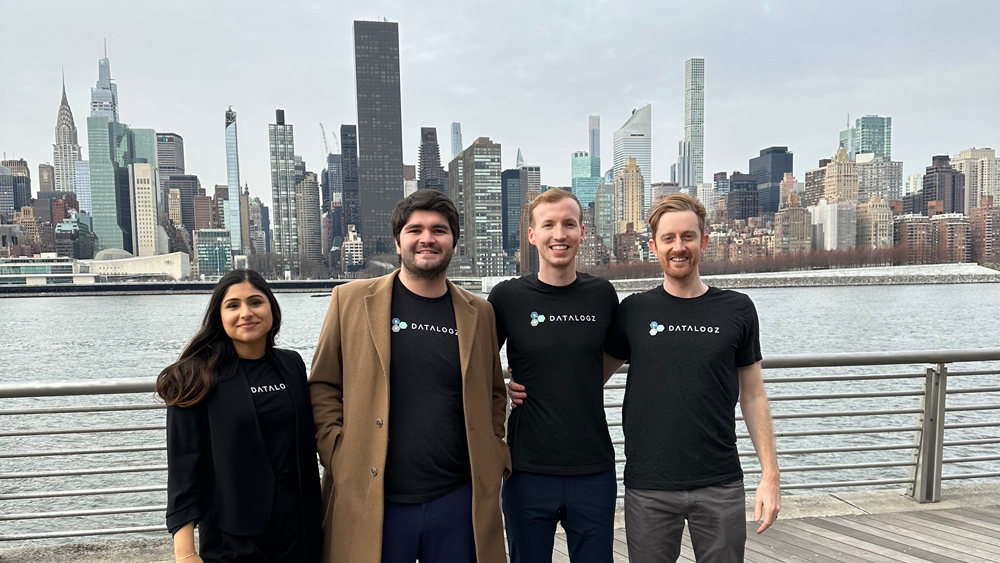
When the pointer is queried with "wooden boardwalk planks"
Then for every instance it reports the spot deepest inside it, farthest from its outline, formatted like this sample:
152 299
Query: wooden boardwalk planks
963 535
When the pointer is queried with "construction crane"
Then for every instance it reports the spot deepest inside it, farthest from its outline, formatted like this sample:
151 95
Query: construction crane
325 144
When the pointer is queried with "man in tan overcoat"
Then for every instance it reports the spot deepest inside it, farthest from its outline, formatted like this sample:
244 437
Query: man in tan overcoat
409 402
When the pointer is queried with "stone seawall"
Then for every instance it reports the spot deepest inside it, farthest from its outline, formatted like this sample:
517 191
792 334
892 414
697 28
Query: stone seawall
752 282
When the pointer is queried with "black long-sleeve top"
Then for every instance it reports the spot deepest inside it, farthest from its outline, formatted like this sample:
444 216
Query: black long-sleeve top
218 466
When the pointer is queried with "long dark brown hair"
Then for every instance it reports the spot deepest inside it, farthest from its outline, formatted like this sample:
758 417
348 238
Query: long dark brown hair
210 356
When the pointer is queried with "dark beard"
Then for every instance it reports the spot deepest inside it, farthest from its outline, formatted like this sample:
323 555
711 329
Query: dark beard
410 265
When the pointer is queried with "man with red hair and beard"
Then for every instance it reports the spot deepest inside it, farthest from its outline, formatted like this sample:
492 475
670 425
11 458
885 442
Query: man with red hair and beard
694 352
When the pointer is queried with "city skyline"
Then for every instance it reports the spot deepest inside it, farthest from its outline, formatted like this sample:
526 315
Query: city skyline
796 103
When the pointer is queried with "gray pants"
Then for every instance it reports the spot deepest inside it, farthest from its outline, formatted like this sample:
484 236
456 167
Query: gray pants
654 523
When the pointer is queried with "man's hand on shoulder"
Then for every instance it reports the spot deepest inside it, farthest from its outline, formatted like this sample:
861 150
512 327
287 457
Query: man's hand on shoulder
766 503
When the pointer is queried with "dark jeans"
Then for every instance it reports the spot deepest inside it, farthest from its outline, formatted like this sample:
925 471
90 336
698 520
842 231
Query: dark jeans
716 517
584 504
438 531
287 539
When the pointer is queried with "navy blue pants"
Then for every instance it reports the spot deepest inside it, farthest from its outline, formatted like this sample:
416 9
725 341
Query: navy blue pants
583 504
439 531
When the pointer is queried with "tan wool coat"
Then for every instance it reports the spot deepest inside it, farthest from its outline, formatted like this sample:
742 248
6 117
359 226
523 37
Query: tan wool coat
349 386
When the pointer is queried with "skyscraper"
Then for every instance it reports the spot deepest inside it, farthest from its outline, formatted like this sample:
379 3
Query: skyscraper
170 154
66 150
594 136
635 139
943 184
81 182
333 184
142 188
841 180
456 139
188 188
513 200
380 133
307 209
870 133
628 197
6 194
112 148
284 221
770 168
980 167
352 194
874 135
585 176
233 211
743 199
104 96
46 178
694 121
476 184
21 182
431 173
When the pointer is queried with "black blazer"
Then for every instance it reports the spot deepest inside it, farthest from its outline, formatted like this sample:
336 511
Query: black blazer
218 469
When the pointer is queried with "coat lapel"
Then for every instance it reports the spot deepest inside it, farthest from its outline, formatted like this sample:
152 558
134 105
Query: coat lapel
378 309
466 318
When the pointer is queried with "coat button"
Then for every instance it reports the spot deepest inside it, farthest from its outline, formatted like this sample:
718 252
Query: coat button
374 472
378 422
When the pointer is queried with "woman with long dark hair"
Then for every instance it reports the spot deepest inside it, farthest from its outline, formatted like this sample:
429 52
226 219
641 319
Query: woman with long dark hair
241 447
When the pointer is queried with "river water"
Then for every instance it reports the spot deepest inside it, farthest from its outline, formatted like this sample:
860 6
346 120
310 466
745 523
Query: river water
66 338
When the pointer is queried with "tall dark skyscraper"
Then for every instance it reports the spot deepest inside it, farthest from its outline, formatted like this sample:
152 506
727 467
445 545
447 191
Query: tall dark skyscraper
743 200
513 201
431 174
380 130
352 195
770 168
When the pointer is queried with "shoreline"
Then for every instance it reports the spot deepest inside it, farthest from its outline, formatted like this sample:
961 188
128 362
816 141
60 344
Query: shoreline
935 274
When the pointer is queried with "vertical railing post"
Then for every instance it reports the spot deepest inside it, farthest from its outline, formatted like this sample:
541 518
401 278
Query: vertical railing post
926 474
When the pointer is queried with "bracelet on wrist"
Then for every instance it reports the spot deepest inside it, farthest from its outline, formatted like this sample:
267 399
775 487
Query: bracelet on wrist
192 554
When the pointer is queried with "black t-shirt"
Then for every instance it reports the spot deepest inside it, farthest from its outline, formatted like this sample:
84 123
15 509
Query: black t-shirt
428 453
555 338
275 412
680 398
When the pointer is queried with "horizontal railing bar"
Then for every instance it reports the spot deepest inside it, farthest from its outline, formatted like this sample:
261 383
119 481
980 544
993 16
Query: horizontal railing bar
849 449
972 390
970 459
970 476
956 426
80 493
829 396
859 377
74 513
880 358
43 453
966 408
839 467
972 442
836 414
69 410
840 431
92 471
831 485
983 372
96 429
914 357
78 387
614 386
80 533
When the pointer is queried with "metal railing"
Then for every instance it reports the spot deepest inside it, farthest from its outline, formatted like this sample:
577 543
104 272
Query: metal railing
947 410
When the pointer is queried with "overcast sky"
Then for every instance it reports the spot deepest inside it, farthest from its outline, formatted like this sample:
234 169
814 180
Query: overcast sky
526 74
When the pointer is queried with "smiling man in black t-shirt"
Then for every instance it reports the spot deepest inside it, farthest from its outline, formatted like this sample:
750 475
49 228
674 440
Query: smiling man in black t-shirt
555 323
694 351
